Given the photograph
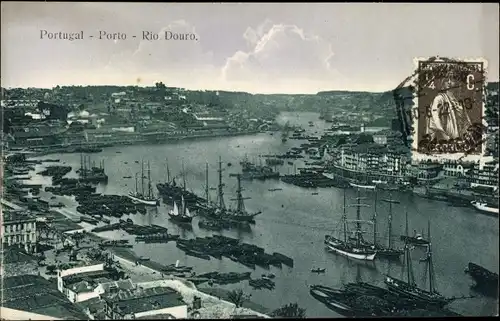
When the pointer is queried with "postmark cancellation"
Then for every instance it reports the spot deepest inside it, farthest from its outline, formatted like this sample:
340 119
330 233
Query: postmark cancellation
448 109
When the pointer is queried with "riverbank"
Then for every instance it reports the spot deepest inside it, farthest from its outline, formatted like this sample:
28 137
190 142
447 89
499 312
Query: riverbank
292 223
71 148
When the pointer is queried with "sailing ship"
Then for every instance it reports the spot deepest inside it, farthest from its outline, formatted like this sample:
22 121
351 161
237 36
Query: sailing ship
355 249
183 216
142 197
206 207
170 190
219 210
239 214
409 288
485 207
386 252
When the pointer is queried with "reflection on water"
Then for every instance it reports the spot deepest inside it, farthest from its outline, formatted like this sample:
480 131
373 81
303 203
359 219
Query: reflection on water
294 222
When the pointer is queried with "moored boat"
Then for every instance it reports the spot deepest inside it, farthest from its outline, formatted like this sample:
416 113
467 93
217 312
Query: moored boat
409 289
184 216
486 281
142 197
484 207
358 249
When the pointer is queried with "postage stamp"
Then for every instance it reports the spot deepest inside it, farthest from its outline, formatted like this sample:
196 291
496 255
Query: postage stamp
445 117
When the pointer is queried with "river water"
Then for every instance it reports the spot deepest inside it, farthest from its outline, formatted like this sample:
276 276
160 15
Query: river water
294 221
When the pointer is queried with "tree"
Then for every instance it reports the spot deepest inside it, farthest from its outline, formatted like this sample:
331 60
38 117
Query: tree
291 310
364 138
160 85
238 297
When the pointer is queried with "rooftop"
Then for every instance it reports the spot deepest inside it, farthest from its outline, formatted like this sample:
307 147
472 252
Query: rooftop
13 255
87 276
118 285
82 287
65 226
94 305
17 216
37 295
141 300
162 316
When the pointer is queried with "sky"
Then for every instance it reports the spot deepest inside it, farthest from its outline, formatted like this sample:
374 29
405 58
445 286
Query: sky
253 47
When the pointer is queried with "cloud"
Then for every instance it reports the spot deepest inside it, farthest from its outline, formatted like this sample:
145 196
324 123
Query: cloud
283 54
180 59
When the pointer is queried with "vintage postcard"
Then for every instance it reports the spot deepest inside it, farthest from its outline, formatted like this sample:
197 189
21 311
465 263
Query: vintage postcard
248 160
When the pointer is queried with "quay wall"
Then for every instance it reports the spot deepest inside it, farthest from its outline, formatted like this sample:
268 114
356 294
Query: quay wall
150 138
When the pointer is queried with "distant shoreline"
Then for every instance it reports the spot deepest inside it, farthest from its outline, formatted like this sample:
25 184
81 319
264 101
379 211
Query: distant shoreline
71 148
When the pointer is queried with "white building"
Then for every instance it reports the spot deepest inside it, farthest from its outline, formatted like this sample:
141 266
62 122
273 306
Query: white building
81 290
19 229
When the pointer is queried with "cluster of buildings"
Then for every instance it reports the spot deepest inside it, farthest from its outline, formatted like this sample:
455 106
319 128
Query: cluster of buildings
85 292
133 115
388 160
41 282
104 298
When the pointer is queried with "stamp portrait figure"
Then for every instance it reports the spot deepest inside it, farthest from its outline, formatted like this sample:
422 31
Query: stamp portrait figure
450 107
448 118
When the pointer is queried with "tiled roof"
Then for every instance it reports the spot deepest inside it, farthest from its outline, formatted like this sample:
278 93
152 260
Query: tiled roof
35 294
141 300
162 316
12 216
14 255
82 287
121 285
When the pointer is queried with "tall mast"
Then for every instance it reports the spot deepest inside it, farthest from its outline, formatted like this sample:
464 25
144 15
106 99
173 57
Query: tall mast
389 219
142 177
408 257
183 209
136 189
207 195
168 171
149 181
222 206
85 165
239 197
183 177
358 218
81 165
429 262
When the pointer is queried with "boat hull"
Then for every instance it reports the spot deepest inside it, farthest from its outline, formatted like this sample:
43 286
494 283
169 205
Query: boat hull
145 202
369 256
331 302
482 208
180 218
483 277
404 289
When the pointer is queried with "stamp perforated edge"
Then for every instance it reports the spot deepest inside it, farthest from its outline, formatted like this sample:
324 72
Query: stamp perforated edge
415 155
